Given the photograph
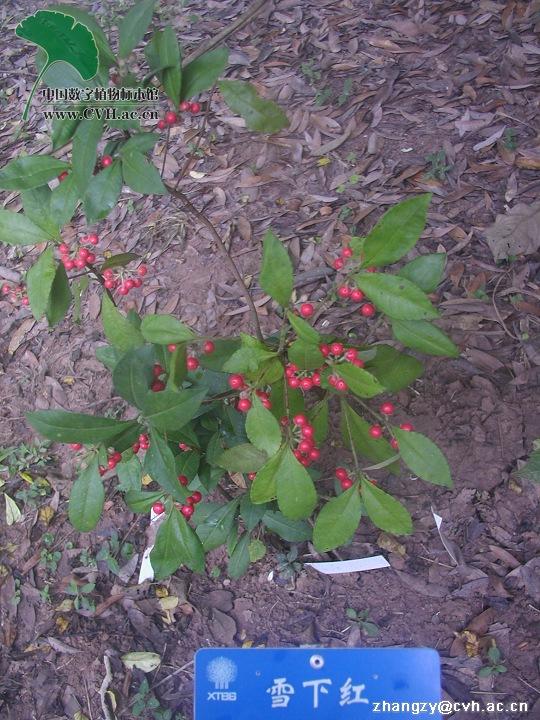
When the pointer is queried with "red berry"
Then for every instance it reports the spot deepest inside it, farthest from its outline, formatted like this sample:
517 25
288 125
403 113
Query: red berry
64 249
157 370
110 284
69 264
316 378
325 350
305 446
136 447
284 421
157 386
306 383
187 511
336 348
368 310
108 274
25 301
358 362
305 461
243 405
102 470
351 354
123 290
371 269
170 117
394 443
195 107
106 161
346 484
376 431
208 347
79 263
290 369
142 270
293 382
300 420
346 252
185 106
251 476
62 176
357 295
332 380
183 447
183 480
75 446
192 363
93 239
387 408
407 427
314 454
137 282
338 264
117 457
161 124
344 292
307 431
196 497
341 385
171 347
306 310
158 508
6 289
143 439
341 473
83 253
111 463
91 258
236 382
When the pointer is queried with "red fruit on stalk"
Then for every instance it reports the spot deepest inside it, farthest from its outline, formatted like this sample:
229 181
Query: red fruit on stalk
79 263
305 446
371 269
69 264
123 290
158 508
243 405
347 252
368 310
293 382
307 432
157 386
208 347
90 258
136 447
111 464
75 446
284 421
387 408
407 427
341 473
63 176
291 369
187 511
394 443
64 249
341 385
325 350
336 348
376 431
196 496
316 378
314 454
102 470
170 117
142 270
106 161
195 107
171 347
346 484
251 476
161 124
157 370
338 264
358 362
6 289
110 284
93 239
137 282
357 295
236 382
83 253
117 457
351 354
25 301
300 420
183 480
185 106
344 292
306 383
192 363
306 310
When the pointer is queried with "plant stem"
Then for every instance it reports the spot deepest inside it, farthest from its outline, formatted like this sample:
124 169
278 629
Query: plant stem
201 217
101 281
199 140
166 150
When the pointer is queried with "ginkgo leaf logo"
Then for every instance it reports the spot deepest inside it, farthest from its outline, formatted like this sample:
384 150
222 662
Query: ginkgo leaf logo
63 39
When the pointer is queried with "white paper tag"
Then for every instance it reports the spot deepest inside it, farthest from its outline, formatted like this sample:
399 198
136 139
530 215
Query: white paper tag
347 566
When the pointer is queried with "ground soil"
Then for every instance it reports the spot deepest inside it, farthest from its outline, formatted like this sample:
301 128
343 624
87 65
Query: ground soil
371 88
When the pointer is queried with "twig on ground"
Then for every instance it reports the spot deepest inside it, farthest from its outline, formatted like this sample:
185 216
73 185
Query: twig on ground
107 680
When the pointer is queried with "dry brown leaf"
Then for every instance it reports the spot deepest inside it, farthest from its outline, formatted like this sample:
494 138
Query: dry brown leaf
516 233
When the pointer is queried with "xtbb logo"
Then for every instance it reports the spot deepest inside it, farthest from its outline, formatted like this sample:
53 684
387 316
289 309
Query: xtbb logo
222 672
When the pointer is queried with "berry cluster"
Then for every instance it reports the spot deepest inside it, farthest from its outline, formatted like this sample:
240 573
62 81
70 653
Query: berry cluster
208 349
303 379
143 443
121 282
344 478
187 509
355 295
82 256
243 404
335 353
171 118
158 384
306 452
15 294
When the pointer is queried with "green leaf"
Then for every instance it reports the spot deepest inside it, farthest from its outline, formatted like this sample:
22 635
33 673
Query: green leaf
276 277
106 55
296 494
531 469
169 58
248 360
306 355
63 130
202 73
117 328
393 369
39 282
425 337
264 486
214 530
84 153
289 530
486 671
68 427
102 193
60 297
176 544
303 329
159 464
262 428
257 550
396 232
132 28
377 450
142 142
30 172
165 329
139 501
172 409
129 475
360 381
251 514
108 355
132 375
64 200
385 511
120 260
338 520
239 560
423 457
17 229
37 208
319 419
141 175
396 297
242 458
260 115
425 271
86 498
